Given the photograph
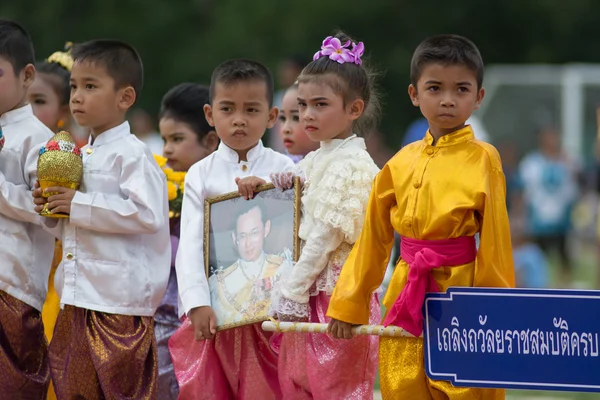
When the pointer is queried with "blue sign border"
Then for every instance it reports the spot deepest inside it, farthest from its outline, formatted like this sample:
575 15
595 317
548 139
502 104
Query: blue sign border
502 292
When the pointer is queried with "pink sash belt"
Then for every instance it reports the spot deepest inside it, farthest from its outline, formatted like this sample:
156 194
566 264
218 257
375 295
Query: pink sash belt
422 256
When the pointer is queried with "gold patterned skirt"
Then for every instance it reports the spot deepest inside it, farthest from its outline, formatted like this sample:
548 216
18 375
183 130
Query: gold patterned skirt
96 355
402 370
23 351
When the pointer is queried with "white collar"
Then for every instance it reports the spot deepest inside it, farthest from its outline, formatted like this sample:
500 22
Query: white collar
331 145
230 155
110 135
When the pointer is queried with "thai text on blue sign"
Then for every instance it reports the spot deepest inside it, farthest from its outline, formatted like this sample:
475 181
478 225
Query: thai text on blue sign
514 338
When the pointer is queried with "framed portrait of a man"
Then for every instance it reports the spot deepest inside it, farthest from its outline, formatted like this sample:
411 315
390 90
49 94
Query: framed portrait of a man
248 246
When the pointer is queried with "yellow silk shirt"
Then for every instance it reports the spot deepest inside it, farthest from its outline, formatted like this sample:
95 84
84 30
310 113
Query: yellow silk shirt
451 189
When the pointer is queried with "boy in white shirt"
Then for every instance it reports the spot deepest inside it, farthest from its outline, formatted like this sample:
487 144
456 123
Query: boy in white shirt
116 247
25 249
241 110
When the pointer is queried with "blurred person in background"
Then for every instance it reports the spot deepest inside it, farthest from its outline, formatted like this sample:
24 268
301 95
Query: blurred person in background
531 266
292 133
287 72
548 185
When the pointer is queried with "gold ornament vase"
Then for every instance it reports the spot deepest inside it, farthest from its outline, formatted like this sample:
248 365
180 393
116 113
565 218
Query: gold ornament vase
59 164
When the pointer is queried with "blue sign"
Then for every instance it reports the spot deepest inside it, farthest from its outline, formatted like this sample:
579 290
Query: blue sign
514 338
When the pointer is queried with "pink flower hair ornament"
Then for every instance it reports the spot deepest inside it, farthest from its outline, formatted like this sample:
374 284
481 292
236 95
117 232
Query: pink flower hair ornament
336 51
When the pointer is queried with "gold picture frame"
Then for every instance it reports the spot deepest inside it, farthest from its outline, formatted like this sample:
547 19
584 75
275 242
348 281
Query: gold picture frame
242 267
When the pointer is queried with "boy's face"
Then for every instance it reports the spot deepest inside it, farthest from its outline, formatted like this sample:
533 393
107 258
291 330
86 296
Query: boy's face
13 88
96 103
250 234
447 96
240 114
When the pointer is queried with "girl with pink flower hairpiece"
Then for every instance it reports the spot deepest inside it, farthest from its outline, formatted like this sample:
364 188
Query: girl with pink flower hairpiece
336 103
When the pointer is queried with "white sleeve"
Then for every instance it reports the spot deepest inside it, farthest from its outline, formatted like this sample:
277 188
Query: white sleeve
142 211
189 264
16 201
323 239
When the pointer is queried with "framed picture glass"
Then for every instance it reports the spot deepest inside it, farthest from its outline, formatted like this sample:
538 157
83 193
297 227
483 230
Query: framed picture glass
248 245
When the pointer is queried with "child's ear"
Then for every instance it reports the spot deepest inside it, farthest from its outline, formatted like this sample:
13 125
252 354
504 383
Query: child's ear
356 109
128 97
414 95
480 95
208 113
273 114
211 141
28 75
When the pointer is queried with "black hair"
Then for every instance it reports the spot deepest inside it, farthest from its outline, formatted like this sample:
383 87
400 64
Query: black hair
122 61
246 207
185 103
16 45
351 81
63 87
446 50
241 70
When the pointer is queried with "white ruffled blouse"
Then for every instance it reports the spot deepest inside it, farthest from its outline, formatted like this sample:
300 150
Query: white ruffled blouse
339 177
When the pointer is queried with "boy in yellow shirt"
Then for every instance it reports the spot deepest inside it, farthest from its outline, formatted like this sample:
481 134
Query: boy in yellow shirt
437 193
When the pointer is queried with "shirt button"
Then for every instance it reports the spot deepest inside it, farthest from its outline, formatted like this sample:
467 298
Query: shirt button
417 185
69 256
89 150
244 167
430 151
407 223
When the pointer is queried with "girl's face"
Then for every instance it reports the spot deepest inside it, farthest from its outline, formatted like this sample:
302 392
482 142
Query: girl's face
294 138
45 101
323 114
181 145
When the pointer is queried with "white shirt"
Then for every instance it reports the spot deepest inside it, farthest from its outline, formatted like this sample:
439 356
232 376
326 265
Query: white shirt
116 246
25 249
214 175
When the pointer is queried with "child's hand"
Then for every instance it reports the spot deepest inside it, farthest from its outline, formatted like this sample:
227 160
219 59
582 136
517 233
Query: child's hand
61 202
340 329
246 186
283 180
38 199
204 321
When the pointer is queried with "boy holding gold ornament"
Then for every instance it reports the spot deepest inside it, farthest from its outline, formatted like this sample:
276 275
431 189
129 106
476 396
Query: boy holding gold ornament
116 251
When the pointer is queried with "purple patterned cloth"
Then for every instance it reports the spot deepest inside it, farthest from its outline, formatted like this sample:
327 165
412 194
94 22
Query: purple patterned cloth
166 323
168 307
